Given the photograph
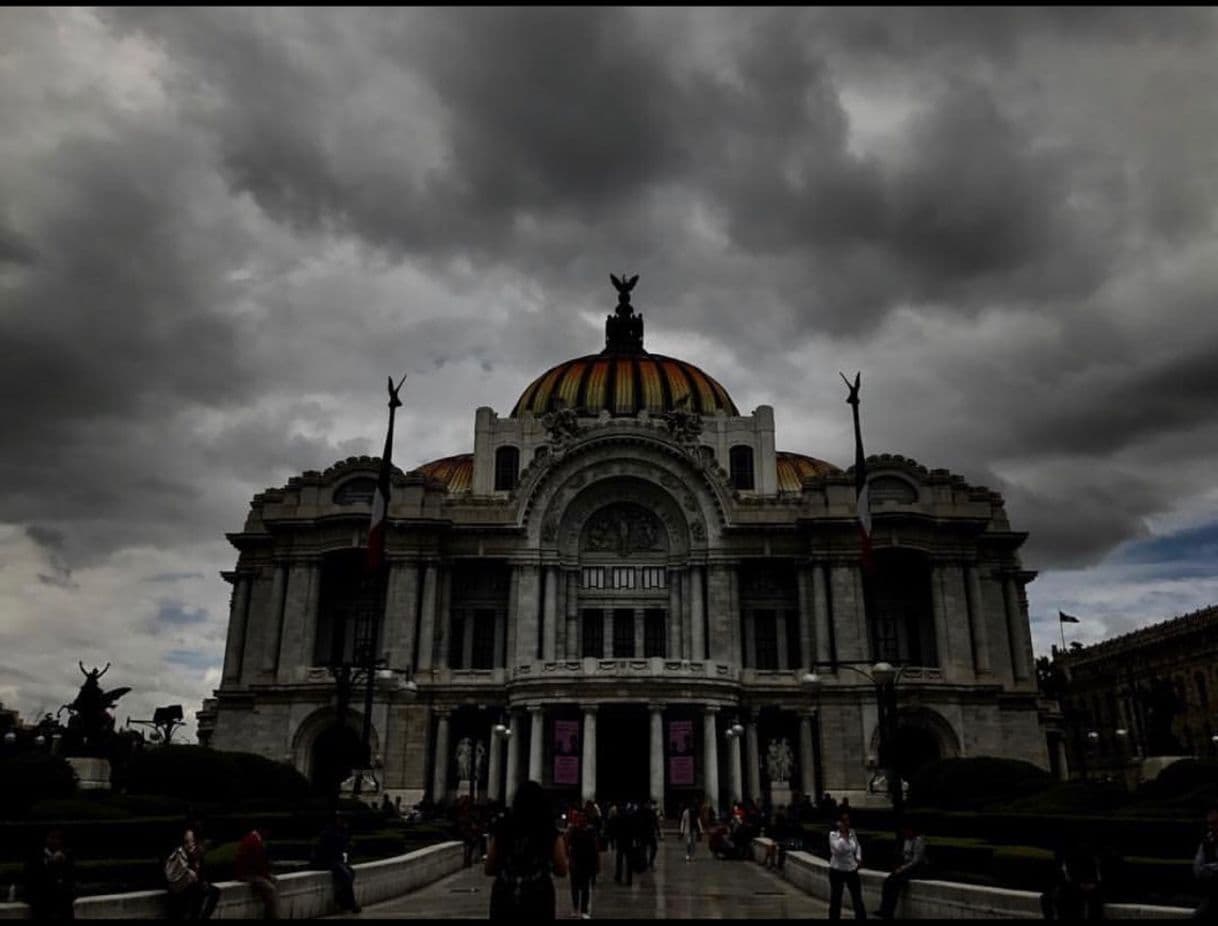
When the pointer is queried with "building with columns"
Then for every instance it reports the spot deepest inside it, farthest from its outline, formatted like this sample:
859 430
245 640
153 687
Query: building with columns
624 573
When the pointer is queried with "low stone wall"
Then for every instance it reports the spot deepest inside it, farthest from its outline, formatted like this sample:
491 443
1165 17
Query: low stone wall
302 895
939 899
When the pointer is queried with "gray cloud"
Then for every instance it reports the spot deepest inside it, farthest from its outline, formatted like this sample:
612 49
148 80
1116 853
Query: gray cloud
217 222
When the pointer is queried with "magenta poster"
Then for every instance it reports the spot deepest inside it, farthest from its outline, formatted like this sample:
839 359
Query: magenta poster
566 752
680 752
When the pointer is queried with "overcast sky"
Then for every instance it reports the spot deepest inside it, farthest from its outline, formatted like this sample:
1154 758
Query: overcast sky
221 229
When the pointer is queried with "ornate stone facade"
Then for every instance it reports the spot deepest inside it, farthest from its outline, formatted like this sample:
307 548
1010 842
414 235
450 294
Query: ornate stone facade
1158 684
630 591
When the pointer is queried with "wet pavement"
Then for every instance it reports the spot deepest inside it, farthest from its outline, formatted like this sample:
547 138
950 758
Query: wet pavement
704 888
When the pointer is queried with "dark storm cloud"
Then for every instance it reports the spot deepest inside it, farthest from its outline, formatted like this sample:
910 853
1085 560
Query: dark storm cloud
217 222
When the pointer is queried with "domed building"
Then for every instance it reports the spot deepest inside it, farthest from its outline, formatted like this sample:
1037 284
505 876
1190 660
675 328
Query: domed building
617 594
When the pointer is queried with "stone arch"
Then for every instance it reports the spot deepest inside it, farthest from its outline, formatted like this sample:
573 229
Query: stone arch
691 511
621 493
923 735
317 732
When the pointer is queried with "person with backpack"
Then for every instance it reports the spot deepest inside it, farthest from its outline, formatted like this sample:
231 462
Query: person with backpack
584 861
525 851
50 881
191 895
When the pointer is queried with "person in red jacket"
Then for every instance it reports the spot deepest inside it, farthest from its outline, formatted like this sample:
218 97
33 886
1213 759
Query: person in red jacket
253 866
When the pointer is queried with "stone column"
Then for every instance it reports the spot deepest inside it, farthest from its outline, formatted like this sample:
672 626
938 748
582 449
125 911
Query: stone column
943 639
537 732
737 786
238 613
849 619
697 615
807 761
710 756
549 618
274 635
977 621
509 650
573 628
718 607
401 613
527 613
443 620
494 768
820 615
1016 632
753 759
298 641
427 618
513 758
806 651
439 778
674 614
657 752
587 768
1063 763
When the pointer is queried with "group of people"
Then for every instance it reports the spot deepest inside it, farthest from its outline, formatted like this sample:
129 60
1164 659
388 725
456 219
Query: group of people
846 858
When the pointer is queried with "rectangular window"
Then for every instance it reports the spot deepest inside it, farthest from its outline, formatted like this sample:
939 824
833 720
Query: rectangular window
623 577
792 658
483 654
653 576
623 634
593 634
456 645
654 633
766 629
594 577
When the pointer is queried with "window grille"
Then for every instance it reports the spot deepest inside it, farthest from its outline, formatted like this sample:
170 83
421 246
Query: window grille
593 634
483 653
623 634
654 576
594 577
623 577
765 628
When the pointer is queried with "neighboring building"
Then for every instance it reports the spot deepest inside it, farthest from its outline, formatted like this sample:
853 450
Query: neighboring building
1158 684
623 570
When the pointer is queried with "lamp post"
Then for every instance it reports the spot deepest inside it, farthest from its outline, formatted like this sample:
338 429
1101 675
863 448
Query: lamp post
884 677
367 671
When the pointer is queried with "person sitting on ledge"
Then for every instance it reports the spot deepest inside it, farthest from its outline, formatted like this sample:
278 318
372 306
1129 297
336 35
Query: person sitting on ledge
333 855
253 866
913 865
1078 893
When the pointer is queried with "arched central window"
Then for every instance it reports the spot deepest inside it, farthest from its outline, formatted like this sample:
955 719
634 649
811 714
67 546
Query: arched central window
903 626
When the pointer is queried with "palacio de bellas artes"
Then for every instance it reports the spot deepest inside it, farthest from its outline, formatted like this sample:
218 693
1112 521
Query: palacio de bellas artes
623 572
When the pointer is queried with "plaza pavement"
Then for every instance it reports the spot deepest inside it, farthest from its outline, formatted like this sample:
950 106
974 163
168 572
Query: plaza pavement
703 888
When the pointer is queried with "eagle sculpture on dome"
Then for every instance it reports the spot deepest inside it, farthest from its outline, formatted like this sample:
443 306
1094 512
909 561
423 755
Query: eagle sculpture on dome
624 329
624 286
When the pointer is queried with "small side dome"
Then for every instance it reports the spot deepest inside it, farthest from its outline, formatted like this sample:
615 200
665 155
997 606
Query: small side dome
456 472
794 468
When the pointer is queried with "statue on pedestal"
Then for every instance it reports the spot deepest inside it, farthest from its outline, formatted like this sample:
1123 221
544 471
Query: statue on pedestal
465 756
90 728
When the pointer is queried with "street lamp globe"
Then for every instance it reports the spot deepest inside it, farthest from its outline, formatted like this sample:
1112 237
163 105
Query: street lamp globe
737 729
501 729
40 740
883 673
1093 735
810 680
10 737
1121 732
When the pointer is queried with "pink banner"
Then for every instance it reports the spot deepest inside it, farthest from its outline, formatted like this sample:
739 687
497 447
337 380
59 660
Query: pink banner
566 752
680 752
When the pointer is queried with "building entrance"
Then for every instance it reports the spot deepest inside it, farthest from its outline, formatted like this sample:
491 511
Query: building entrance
622 754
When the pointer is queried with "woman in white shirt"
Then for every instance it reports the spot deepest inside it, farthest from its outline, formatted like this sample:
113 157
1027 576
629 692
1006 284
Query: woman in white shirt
845 860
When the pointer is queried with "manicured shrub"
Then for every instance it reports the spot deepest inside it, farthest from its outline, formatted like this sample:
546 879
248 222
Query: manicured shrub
236 779
969 784
30 777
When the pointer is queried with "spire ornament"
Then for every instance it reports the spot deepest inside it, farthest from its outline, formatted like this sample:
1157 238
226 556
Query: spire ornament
624 329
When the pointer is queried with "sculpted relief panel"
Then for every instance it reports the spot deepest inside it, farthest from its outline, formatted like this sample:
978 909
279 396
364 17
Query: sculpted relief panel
623 528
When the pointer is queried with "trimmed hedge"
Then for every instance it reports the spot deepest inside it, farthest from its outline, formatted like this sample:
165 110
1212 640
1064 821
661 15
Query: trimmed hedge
969 784
237 779
30 777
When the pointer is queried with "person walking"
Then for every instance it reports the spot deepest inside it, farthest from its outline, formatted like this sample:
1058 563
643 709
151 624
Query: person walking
333 855
526 851
1205 868
583 862
50 880
652 833
845 860
913 865
691 829
624 845
191 895
253 866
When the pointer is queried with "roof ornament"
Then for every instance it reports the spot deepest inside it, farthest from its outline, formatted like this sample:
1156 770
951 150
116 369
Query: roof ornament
624 329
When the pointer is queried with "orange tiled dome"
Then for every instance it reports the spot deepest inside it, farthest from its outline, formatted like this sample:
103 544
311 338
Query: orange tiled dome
624 384
456 472
794 468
